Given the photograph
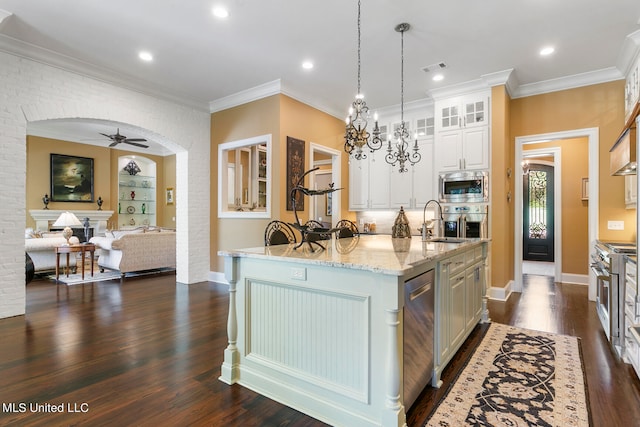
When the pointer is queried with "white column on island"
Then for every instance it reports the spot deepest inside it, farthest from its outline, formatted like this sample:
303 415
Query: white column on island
394 414
229 372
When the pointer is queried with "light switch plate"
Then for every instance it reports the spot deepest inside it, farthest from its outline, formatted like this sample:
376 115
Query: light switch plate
615 225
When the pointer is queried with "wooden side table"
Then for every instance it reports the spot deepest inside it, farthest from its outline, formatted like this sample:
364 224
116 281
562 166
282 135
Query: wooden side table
83 249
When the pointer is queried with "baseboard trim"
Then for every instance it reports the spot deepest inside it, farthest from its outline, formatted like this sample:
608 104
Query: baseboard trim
576 279
500 294
218 277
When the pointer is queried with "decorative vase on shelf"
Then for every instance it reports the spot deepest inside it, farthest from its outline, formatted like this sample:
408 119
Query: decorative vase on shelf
133 195
45 200
144 207
119 208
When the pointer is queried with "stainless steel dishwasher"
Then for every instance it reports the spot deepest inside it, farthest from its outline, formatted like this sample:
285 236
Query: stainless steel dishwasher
418 335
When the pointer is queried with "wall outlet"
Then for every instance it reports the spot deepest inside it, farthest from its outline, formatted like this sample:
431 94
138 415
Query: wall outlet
299 273
615 225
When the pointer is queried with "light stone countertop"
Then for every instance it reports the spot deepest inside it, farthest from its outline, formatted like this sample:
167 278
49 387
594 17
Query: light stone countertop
376 253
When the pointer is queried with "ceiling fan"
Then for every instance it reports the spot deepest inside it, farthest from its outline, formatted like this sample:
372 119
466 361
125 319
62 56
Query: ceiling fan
118 139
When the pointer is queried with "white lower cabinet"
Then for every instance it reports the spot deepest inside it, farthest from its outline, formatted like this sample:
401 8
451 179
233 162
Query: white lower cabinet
459 293
631 317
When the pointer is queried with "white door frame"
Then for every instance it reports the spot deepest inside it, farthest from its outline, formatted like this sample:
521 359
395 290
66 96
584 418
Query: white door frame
336 159
557 207
592 134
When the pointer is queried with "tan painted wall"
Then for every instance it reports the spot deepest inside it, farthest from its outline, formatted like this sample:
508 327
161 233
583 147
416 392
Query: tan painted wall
599 106
279 116
167 180
301 121
39 174
105 164
501 219
574 154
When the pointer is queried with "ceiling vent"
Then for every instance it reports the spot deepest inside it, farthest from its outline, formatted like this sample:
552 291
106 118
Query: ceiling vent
434 67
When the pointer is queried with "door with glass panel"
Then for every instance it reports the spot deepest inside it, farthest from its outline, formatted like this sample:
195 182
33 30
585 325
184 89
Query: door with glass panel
538 235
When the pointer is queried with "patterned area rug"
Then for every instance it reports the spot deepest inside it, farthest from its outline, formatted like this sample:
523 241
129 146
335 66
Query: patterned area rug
518 377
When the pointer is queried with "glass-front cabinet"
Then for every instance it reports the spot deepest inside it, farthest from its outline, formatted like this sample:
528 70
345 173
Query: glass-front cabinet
137 191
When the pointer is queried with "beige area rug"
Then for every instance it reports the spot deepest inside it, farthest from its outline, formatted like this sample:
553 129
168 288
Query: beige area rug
76 279
518 377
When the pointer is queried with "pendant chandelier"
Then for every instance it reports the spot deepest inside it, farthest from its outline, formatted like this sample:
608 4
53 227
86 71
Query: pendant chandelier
399 153
356 134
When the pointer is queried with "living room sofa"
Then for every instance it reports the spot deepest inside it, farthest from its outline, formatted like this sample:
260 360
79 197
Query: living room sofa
136 250
40 247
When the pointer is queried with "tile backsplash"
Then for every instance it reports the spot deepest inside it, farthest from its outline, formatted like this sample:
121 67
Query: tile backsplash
384 219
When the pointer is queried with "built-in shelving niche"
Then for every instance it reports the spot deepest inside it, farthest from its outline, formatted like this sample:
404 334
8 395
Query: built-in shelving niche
137 192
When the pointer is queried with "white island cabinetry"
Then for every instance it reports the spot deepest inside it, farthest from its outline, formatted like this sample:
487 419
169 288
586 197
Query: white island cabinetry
460 304
322 331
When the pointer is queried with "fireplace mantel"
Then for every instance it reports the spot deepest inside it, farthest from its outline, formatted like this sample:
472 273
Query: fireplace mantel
97 219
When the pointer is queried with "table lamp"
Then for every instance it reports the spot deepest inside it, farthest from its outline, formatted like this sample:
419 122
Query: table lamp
67 220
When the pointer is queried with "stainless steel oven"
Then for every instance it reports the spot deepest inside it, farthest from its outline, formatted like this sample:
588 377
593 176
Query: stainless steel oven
466 221
608 265
464 187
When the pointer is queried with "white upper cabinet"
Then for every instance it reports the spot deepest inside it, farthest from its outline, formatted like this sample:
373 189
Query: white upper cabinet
375 184
462 111
462 133
358 184
379 171
632 89
424 184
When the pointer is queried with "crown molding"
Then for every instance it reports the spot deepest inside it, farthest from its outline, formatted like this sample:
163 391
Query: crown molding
48 57
312 103
499 78
255 93
459 89
629 52
569 82
248 95
4 15
420 105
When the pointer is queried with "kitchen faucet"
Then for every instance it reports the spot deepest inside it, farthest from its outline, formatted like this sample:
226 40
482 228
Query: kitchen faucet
424 229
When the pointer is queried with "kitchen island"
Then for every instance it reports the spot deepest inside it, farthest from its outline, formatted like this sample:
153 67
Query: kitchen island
323 331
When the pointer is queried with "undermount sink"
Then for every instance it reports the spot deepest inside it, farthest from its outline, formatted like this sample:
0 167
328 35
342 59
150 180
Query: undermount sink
445 240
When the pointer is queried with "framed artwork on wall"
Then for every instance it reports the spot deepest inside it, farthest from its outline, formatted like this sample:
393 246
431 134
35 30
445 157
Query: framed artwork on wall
71 178
295 169
169 195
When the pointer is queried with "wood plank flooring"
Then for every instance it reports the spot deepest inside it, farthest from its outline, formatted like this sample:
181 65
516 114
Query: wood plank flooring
148 352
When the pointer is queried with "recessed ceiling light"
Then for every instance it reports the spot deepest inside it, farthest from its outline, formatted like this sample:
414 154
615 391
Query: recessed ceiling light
307 65
547 51
438 77
145 56
220 12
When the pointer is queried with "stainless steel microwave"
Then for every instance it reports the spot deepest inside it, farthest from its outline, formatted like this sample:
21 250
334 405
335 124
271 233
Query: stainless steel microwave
464 186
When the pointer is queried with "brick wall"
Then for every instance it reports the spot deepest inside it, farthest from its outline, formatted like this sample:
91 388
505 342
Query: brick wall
31 91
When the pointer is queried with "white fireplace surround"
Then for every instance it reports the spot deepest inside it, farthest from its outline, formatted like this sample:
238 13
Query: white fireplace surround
97 219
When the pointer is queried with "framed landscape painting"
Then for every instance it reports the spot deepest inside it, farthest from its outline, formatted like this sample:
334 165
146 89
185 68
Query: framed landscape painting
71 178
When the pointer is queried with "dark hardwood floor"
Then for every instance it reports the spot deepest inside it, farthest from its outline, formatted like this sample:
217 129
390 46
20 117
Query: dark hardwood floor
148 352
